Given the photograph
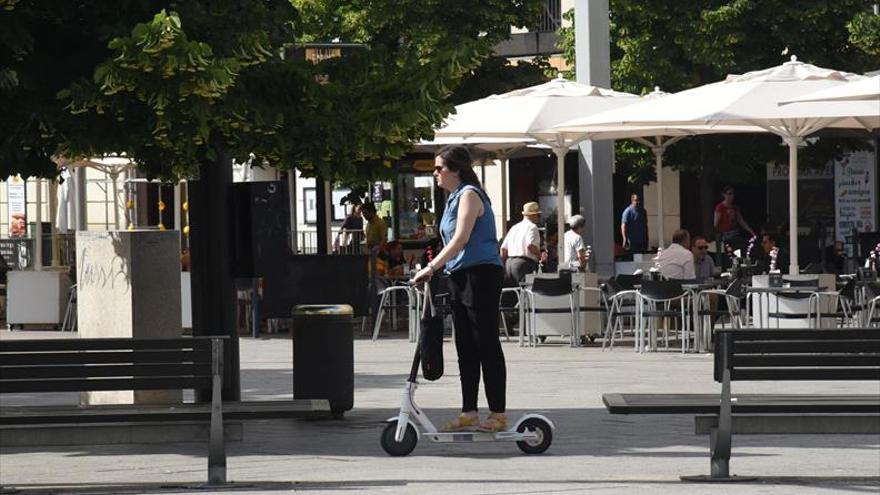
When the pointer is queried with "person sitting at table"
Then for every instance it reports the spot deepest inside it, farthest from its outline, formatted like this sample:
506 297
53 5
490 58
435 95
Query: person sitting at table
677 261
769 240
391 258
704 267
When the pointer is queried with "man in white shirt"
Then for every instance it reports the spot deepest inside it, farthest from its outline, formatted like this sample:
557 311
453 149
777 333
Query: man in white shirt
575 253
521 248
677 261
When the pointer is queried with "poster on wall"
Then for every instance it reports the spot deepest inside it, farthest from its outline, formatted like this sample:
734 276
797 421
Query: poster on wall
855 194
17 200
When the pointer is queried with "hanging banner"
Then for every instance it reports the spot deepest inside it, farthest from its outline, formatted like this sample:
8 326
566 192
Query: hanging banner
17 206
855 194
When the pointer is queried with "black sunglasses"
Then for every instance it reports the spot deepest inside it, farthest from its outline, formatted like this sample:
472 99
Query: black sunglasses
703 248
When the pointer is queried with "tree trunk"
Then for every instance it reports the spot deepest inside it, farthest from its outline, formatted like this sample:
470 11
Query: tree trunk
213 285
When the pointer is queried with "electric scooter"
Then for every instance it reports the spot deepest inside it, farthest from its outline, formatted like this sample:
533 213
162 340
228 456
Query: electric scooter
532 433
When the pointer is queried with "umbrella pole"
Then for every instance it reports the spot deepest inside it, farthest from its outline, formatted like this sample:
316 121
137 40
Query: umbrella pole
113 177
503 163
658 158
793 143
560 203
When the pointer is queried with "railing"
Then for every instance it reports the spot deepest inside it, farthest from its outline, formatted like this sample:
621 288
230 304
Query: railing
20 254
551 18
344 242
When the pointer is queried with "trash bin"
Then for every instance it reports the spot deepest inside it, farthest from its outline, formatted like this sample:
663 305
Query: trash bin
323 355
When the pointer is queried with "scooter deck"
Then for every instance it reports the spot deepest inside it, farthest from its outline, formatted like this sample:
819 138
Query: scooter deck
480 436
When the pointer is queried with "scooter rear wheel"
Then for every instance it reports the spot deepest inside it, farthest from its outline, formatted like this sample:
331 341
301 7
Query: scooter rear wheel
543 431
392 446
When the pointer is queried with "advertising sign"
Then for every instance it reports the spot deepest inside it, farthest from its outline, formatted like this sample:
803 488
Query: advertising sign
855 180
17 219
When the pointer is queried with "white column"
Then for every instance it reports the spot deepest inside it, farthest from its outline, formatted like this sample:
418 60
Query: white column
595 163
81 194
53 210
177 213
291 196
560 203
38 234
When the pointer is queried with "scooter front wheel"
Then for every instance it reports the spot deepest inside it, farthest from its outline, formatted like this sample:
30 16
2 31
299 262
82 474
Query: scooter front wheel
543 431
392 446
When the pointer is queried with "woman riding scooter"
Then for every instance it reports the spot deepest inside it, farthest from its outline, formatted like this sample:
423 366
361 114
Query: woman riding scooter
470 258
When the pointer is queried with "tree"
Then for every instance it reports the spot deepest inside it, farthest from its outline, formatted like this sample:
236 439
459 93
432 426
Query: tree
675 45
171 83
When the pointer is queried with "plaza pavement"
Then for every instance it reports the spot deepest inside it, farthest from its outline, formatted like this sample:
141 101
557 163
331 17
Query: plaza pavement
593 452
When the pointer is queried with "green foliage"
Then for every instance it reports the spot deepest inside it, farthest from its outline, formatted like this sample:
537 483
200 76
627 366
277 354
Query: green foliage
496 75
176 84
864 32
676 46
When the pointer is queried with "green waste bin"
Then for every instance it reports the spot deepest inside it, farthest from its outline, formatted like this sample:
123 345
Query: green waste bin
323 355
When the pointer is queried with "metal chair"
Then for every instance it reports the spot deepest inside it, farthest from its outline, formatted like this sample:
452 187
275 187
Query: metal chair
843 301
793 297
621 298
516 308
551 287
70 318
733 296
387 301
658 296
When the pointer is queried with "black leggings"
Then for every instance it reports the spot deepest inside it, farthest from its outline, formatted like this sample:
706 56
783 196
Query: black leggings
476 296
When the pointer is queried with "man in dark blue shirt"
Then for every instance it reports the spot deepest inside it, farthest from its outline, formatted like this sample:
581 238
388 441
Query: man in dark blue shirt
634 226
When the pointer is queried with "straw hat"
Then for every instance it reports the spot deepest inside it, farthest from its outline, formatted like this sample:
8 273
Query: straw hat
531 208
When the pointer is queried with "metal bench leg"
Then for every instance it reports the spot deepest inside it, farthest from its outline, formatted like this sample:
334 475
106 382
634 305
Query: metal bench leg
217 446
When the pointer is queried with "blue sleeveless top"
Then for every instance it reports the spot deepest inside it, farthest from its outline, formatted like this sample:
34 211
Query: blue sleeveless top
482 246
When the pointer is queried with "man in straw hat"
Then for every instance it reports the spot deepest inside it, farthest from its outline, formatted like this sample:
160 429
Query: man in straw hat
521 248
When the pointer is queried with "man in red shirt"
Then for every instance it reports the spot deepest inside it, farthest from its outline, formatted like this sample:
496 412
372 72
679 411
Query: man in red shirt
728 218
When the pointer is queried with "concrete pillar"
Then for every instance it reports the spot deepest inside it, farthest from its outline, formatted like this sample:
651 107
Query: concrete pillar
595 160
671 207
129 287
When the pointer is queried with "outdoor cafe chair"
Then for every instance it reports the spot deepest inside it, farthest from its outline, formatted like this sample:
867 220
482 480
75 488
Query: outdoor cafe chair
621 297
387 300
551 287
516 308
733 296
842 301
793 297
657 301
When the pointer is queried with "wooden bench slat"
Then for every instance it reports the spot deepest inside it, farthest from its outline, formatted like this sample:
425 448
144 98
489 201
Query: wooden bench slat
806 360
105 357
11 373
761 334
80 385
747 403
296 408
757 374
802 347
48 345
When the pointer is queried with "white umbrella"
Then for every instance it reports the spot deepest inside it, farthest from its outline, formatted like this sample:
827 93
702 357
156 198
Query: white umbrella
752 99
863 89
657 139
531 113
